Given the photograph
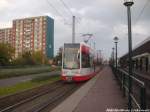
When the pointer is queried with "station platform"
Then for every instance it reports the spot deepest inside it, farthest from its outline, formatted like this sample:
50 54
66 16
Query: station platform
99 94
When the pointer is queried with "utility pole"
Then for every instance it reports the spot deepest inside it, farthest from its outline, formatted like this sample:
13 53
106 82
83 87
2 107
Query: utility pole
73 29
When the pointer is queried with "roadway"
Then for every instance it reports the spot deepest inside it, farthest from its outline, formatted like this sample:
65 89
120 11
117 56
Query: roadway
15 80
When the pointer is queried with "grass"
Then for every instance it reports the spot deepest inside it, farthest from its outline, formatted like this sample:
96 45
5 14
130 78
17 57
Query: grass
7 73
38 81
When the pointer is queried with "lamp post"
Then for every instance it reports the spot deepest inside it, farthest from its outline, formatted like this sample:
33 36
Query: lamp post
100 53
116 41
128 4
113 56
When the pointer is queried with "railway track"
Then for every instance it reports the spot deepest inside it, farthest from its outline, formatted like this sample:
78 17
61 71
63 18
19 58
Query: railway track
43 101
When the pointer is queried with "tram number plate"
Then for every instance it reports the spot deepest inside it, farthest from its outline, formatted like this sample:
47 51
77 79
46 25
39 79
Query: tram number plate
69 78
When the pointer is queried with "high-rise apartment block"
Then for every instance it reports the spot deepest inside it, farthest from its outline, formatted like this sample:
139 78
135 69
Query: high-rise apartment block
33 34
6 36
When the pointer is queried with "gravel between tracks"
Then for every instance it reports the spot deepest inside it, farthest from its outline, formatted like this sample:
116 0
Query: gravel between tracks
38 99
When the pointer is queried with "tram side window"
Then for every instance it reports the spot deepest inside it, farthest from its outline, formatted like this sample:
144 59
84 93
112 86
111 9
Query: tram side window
85 60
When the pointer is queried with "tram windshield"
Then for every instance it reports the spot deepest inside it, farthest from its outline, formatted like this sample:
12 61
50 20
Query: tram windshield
71 56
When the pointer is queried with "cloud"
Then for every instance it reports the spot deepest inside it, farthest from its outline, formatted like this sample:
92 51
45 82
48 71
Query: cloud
140 30
104 18
4 4
120 30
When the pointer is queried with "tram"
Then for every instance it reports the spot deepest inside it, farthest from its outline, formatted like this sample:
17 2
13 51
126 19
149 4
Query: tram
77 62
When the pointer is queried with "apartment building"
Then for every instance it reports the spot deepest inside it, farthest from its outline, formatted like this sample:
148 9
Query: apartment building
33 34
6 36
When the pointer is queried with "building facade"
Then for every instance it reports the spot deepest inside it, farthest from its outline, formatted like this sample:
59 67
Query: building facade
6 36
140 57
33 34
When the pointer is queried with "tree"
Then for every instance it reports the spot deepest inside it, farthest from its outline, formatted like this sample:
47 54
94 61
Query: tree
31 58
6 53
24 59
38 57
58 58
27 58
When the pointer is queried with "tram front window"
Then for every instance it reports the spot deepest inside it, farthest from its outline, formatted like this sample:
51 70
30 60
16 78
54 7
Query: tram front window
71 58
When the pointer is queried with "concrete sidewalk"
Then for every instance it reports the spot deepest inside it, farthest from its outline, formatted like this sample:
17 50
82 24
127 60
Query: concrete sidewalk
97 95
105 94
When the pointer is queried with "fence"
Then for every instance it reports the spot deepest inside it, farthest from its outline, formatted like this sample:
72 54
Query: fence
138 94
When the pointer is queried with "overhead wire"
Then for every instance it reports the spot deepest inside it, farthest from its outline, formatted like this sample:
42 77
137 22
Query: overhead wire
68 9
52 6
142 11
66 6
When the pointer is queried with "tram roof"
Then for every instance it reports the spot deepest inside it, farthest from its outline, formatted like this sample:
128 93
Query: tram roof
81 43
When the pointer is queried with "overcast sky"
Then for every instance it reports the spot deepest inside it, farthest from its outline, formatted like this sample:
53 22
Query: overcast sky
103 18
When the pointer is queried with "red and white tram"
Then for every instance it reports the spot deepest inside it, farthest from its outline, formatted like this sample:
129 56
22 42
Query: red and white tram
77 62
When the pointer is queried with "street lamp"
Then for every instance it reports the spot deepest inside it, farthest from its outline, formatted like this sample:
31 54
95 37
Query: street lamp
113 56
116 41
128 4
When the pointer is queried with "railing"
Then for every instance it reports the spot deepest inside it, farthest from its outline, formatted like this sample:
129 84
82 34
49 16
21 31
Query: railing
137 97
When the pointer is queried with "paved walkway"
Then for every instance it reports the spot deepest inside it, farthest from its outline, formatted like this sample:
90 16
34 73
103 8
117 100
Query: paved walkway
97 95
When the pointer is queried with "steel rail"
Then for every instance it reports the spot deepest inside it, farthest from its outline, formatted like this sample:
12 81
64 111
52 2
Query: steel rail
54 99
29 99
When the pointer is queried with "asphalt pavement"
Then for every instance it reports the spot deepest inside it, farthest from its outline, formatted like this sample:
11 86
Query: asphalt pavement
15 80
